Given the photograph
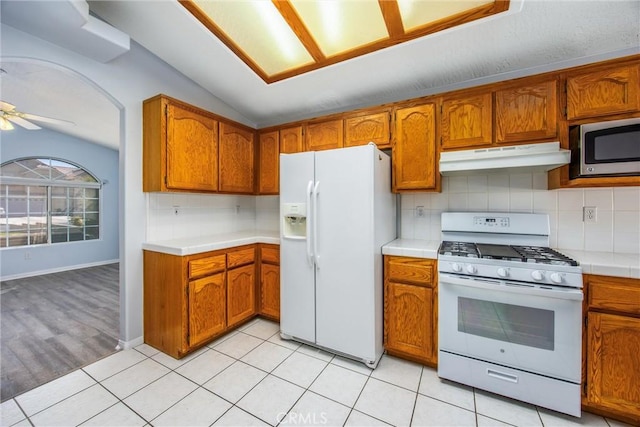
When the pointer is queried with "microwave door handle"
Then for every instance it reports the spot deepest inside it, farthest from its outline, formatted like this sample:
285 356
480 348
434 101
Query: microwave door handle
497 285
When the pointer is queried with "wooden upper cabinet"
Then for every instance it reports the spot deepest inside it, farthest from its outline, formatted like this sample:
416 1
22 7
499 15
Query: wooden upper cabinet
370 128
466 121
268 164
414 148
527 113
236 159
180 147
608 91
291 140
324 135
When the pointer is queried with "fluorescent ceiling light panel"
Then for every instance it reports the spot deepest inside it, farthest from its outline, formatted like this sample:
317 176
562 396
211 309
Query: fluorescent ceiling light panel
339 26
419 13
258 29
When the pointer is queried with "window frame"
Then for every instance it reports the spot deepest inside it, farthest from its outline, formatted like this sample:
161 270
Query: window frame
48 183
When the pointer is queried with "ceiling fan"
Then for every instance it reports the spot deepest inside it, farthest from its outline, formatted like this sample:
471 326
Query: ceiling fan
9 115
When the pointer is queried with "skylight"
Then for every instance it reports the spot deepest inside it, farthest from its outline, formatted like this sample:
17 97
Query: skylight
282 38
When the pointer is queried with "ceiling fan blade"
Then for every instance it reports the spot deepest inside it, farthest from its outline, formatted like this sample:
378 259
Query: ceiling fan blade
22 122
5 106
46 119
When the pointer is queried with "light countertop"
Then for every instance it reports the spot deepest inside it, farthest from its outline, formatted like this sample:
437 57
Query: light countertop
602 263
194 245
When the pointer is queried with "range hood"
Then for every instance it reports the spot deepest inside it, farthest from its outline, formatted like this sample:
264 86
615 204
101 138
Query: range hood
517 158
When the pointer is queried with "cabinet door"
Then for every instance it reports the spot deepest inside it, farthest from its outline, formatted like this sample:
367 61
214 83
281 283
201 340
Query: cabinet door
270 290
408 317
466 121
291 140
526 113
192 150
364 129
236 159
241 293
414 149
610 91
324 135
207 314
268 173
613 363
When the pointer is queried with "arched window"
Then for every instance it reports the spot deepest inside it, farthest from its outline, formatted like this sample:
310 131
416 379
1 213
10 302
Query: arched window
47 200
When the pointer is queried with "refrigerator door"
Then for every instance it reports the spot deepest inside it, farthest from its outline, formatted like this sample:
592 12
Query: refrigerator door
345 271
297 283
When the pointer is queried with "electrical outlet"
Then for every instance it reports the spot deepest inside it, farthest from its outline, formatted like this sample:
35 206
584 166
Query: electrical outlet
237 209
420 211
590 214
27 256
176 210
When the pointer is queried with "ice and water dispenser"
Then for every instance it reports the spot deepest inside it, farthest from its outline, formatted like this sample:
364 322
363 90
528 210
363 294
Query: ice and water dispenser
294 220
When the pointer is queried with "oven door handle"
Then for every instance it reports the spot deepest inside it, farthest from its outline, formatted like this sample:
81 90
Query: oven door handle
574 294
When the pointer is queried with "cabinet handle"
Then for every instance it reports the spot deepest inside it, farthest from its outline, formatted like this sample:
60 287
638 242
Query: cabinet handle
502 376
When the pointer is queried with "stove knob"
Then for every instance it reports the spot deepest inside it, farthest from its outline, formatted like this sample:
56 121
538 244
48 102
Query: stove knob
471 269
537 275
456 267
503 272
556 277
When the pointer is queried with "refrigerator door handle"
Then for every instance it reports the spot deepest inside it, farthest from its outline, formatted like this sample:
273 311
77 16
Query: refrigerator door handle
309 253
315 225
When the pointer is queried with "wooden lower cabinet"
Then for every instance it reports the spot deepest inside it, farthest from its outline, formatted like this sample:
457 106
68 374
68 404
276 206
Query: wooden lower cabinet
207 308
410 308
269 305
190 300
241 294
612 348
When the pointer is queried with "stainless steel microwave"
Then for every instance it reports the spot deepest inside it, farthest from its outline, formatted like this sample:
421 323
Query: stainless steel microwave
606 148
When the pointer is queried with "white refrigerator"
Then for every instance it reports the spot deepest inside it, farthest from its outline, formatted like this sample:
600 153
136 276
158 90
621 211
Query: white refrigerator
336 212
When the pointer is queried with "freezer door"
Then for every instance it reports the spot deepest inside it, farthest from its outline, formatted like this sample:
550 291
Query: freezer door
297 283
345 270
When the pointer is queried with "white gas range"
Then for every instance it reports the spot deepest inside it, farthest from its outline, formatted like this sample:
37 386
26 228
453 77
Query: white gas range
510 309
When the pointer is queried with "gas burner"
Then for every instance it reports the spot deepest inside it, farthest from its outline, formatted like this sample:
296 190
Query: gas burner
462 249
528 254
537 254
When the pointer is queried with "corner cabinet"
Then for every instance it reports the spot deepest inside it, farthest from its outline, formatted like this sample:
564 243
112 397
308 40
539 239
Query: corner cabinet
241 285
411 308
415 157
269 305
612 348
180 147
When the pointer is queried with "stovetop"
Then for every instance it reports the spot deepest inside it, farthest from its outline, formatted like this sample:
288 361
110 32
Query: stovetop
516 253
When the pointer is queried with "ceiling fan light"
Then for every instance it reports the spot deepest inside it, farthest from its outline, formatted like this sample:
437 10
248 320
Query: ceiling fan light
5 124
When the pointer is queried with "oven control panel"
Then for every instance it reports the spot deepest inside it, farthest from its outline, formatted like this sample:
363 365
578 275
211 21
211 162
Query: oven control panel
542 274
491 222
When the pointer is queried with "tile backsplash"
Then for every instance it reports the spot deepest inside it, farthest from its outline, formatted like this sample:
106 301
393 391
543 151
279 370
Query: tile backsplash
617 226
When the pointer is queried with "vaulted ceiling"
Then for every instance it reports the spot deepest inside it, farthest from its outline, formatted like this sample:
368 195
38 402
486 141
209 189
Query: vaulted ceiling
531 36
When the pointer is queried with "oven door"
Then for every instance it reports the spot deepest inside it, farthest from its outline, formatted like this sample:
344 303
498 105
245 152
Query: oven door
512 324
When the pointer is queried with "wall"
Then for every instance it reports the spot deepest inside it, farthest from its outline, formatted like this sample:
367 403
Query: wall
100 161
200 215
618 209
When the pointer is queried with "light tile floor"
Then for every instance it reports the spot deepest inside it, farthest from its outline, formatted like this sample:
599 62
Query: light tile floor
253 378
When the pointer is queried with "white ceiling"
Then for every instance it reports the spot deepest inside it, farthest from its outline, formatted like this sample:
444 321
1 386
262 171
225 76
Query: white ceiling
533 36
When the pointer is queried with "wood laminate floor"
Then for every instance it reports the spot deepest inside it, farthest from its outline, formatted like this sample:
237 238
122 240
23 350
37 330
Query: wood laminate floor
56 323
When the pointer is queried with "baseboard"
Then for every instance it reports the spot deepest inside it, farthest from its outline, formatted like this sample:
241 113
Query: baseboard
126 345
58 270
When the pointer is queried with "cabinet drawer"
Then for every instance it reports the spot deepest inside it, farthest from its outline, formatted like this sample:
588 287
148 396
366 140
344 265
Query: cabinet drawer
241 257
616 295
270 255
205 266
411 270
